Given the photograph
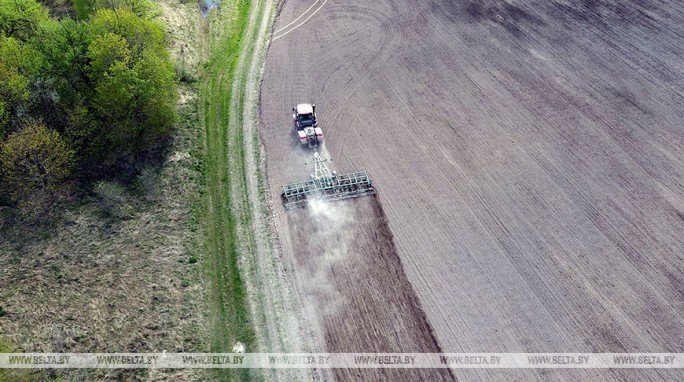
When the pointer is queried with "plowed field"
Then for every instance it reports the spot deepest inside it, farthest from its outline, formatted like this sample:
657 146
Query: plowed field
529 158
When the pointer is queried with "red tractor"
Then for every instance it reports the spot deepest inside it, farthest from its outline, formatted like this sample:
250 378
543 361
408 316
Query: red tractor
305 125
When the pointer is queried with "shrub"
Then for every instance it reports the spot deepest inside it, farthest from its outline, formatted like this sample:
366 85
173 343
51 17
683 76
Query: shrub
35 159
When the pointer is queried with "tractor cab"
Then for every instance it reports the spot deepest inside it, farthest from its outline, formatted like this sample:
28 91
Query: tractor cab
306 120
305 125
305 116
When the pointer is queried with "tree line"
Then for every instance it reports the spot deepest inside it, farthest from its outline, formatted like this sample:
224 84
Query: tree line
80 99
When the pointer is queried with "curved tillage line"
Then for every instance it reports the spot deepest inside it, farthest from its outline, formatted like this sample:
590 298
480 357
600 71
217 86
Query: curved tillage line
302 23
297 19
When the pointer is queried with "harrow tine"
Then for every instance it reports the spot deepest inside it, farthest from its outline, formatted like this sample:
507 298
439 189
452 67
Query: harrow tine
326 185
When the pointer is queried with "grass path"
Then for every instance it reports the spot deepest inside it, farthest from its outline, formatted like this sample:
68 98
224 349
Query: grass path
226 209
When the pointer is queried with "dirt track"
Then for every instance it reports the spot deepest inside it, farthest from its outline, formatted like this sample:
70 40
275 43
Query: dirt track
530 160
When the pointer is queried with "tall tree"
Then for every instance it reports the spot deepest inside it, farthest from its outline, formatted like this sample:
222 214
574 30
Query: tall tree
135 84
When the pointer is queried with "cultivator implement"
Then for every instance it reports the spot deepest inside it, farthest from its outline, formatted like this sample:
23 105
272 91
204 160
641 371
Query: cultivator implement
326 185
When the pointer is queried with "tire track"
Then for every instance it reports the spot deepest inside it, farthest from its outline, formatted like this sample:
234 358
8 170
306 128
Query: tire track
348 93
283 34
297 19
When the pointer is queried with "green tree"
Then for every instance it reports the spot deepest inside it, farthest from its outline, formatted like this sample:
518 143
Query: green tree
81 131
23 56
13 91
105 84
21 18
18 63
105 51
141 8
135 84
13 86
142 35
145 9
64 45
157 97
33 160
116 98
84 8
4 118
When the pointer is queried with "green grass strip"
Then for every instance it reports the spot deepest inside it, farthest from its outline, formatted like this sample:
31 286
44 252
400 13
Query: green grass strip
223 170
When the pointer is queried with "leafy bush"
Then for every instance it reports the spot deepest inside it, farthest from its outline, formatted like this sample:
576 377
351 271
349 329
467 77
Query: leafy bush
34 160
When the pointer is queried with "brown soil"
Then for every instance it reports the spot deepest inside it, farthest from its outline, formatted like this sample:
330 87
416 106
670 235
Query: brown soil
355 287
529 157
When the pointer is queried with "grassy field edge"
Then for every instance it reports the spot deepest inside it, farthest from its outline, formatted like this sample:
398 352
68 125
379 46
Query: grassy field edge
223 211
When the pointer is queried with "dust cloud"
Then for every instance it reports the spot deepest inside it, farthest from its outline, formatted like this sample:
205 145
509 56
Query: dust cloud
329 223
